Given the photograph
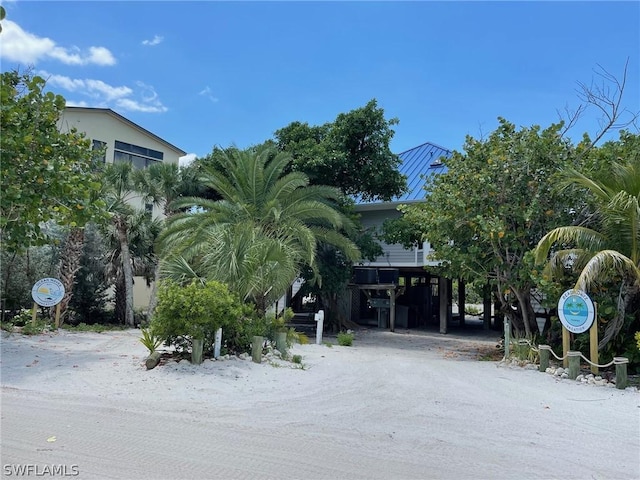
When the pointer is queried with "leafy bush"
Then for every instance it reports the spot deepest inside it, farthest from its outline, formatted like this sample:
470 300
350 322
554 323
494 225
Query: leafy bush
193 311
41 326
22 318
93 327
637 336
238 334
345 339
150 340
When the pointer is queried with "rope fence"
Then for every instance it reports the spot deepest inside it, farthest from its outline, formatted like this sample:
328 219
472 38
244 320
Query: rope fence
574 362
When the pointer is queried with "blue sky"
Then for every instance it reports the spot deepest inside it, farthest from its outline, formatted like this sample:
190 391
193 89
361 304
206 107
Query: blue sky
201 74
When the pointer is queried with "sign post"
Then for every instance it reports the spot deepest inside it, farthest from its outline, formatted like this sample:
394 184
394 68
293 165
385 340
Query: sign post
48 292
576 312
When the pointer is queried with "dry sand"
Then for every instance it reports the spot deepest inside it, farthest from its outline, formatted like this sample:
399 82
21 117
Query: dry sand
392 406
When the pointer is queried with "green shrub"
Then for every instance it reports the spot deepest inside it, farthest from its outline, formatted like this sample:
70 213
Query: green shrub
472 310
345 339
22 318
195 310
37 328
637 336
238 334
297 359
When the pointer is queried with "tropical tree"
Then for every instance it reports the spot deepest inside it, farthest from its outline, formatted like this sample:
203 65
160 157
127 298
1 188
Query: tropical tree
162 184
121 191
351 153
262 231
46 174
490 209
605 244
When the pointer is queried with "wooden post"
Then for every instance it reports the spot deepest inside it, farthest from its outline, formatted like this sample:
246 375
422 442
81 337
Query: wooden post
461 300
486 306
593 345
58 315
392 309
197 345
256 349
565 346
443 296
152 360
574 364
34 315
281 342
544 357
217 344
507 338
621 372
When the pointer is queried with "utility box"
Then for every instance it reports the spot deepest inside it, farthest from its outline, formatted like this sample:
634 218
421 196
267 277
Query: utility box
365 276
388 276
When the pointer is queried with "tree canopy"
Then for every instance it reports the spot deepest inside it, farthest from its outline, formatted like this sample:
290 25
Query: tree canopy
263 230
46 174
605 245
491 207
351 153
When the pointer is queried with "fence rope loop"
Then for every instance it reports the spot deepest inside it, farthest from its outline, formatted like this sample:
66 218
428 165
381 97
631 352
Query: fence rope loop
620 360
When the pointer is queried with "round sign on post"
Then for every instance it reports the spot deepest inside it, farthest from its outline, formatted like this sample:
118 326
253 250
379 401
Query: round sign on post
47 292
576 311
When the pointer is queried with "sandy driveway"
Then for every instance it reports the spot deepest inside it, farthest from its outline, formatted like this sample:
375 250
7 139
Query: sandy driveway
393 406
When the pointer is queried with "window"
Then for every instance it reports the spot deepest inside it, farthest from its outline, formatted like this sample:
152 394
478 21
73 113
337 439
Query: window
139 157
101 151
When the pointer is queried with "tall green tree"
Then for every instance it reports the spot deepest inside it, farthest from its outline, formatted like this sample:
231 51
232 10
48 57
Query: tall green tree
351 153
46 174
121 193
263 230
491 207
605 245
162 184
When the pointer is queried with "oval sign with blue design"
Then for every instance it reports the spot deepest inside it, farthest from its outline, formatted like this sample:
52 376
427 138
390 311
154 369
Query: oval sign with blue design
576 311
47 292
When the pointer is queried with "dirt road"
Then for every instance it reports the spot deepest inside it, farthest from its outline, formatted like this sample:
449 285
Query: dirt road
393 406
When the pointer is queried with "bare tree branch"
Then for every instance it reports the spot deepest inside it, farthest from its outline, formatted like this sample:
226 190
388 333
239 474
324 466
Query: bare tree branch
607 98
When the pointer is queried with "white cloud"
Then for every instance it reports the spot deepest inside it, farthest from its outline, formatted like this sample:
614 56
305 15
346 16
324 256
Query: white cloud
187 159
157 39
137 106
142 99
27 48
206 92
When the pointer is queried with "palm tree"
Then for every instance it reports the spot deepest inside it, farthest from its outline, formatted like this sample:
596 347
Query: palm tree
162 184
142 232
263 230
608 247
120 191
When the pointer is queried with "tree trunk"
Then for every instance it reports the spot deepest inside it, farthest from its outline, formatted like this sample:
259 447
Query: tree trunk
69 265
5 284
153 300
120 298
127 270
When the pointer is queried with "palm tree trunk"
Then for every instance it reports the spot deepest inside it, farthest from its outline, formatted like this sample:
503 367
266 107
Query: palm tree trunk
69 265
126 270
153 300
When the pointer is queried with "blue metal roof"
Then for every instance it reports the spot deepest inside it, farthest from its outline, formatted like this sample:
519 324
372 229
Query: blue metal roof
421 160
